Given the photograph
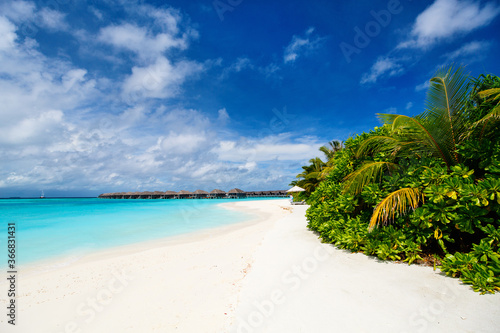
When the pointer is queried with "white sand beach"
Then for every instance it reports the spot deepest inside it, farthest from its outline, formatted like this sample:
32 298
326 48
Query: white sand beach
266 275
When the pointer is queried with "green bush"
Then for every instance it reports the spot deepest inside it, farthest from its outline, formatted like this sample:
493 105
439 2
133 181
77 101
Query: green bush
456 223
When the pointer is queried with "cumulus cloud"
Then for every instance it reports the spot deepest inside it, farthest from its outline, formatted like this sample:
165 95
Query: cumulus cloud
18 11
159 80
139 40
301 45
271 148
26 12
7 34
446 19
68 128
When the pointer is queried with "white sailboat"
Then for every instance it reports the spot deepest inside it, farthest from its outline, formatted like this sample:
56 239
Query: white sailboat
42 196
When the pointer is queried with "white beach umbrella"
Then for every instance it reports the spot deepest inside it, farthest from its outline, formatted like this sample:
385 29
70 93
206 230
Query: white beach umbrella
295 189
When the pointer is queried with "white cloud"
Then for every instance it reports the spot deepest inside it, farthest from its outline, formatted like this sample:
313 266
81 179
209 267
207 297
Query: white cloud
139 40
423 86
409 105
182 143
159 80
52 19
166 18
223 115
26 12
474 48
66 127
7 34
18 11
266 149
446 19
301 45
153 32
443 20
237 66
97 13
384 66
30 130
391 110
270 69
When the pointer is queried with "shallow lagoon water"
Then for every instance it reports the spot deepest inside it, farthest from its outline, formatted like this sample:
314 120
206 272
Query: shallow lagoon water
49 228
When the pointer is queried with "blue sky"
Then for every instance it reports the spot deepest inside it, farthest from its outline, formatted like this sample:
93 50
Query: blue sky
104 96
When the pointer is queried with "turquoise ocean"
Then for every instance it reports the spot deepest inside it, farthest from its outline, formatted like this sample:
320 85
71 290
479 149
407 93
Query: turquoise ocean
58 228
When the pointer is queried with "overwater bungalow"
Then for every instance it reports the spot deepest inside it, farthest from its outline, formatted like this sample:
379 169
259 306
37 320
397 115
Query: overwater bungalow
185 194
146 195
158 195
171 195
200 194
236 193
217 194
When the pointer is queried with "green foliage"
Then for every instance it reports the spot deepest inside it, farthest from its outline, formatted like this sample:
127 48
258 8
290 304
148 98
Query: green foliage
434 194
480 267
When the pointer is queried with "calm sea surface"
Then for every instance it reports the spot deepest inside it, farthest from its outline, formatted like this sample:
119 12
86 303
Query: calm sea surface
49 228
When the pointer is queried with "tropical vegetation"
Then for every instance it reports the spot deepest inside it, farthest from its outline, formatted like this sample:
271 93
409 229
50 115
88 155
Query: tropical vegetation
422 189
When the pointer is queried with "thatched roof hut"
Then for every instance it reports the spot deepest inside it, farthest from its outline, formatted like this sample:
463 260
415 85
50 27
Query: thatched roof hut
217 194
235 191
185 194
146 195
200 193
170 193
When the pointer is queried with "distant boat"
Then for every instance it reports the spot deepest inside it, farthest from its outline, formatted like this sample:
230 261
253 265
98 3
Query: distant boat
42 196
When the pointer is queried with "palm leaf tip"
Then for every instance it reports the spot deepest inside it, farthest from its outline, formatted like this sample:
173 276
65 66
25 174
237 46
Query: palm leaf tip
367 173
398 202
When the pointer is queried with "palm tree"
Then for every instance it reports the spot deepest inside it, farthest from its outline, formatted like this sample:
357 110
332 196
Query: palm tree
435 132
311 176
494 115
331 148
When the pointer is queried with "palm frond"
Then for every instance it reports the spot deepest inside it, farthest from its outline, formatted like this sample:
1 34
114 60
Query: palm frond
446 107
492 116
490 92
376 144
415 136
365 174
398 202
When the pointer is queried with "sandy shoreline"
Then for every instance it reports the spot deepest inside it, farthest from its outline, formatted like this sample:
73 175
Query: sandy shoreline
152 286
270 274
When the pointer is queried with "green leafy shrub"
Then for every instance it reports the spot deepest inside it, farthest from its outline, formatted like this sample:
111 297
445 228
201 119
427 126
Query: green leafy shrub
456 221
